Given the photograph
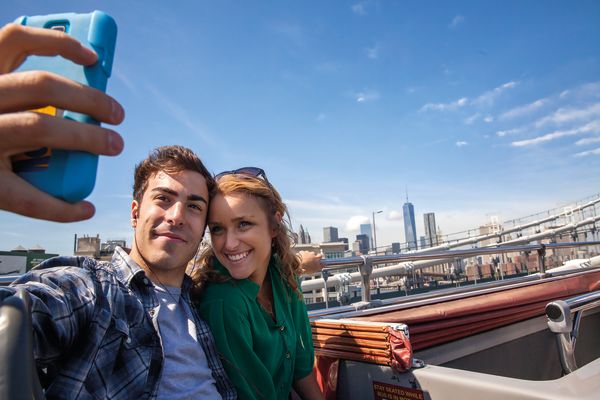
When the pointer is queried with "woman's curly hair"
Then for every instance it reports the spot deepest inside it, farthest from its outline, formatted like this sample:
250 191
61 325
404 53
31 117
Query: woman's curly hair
270 201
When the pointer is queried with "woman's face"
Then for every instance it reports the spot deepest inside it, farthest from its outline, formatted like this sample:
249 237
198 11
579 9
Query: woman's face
241 235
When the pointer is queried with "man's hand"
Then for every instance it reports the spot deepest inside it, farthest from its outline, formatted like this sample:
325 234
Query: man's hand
310 262
22 131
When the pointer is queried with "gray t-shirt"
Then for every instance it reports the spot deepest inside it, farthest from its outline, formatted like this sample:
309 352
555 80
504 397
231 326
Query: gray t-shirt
186 374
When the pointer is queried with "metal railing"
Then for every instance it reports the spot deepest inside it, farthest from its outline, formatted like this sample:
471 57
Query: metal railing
564 317
407 263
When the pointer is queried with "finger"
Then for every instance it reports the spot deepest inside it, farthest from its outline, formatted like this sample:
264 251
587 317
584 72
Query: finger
21 132
17 42
22 198
33 89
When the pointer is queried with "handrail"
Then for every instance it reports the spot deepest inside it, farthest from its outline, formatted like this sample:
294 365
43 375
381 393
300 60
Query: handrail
409 261
564 317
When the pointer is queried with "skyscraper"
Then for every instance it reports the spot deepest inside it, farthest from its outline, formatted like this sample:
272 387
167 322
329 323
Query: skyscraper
365 229
410 230
363 243
330 234
430 232
303 236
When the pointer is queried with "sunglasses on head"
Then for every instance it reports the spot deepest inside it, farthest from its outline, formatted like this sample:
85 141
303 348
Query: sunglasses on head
250 171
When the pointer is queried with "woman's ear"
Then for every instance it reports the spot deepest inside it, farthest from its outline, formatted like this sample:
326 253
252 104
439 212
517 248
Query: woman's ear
278 224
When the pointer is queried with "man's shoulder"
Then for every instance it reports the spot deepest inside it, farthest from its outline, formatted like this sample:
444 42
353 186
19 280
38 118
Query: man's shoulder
69 268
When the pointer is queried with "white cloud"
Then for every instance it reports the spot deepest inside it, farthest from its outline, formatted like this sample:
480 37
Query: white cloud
524 110
394 215
488 98
445 106
509 132
564 115
372 52
586 141
592 127
461 143
489 119
594 152
366 96
472 118
584 91
359 8
456 21
353 224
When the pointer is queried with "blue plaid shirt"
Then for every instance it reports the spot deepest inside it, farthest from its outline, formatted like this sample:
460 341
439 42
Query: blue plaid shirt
94 333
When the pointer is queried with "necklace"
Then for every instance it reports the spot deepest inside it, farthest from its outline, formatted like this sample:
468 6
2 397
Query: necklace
162 285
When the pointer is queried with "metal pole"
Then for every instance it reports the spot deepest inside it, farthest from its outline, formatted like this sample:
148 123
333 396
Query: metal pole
374 244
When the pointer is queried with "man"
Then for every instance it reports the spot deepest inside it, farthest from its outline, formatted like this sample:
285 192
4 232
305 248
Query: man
125 328
119 329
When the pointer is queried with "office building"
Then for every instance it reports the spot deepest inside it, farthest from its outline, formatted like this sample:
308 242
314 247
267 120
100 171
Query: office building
330 234
410 230
362 242
303 236
365 229
430 232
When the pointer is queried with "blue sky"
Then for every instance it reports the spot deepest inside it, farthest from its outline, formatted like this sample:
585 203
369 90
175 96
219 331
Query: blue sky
476 108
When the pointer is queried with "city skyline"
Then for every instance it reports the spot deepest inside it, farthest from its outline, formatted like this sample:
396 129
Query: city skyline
481 109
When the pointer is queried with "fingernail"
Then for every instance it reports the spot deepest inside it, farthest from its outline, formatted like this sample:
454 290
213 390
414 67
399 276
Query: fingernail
91 53
115 143
87 210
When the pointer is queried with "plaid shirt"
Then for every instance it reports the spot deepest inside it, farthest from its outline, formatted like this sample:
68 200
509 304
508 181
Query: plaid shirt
94 332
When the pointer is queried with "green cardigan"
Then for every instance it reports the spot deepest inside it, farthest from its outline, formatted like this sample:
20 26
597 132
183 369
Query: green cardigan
262 357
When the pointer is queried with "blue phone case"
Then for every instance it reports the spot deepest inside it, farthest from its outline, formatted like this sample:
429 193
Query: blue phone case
69 175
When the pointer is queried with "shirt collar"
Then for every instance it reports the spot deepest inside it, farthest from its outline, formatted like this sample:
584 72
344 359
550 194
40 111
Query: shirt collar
127 270
249 288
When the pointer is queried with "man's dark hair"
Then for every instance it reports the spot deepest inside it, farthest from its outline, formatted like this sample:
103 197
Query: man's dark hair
170 159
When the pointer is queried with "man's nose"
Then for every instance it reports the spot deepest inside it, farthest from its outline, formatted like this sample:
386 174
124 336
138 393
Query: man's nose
175 214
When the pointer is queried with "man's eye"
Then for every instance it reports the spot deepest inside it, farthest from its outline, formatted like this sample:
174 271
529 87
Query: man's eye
195 207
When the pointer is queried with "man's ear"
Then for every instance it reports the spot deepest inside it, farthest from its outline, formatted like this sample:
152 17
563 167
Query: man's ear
135 208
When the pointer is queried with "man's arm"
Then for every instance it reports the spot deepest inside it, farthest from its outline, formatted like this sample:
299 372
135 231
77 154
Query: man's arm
62 304
25 131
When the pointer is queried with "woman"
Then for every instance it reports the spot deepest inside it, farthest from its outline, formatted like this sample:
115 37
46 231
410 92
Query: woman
250 295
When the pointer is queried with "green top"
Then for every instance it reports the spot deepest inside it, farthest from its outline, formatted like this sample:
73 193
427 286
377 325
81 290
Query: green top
262 357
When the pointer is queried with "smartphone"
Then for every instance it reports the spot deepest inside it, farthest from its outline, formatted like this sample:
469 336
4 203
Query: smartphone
66 174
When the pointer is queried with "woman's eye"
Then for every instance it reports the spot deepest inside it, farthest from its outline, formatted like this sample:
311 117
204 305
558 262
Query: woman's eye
245 224
215 230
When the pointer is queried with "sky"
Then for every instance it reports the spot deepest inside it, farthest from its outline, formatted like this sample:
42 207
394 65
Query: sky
472 109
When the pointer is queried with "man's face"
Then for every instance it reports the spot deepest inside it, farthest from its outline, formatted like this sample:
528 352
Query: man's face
169 223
